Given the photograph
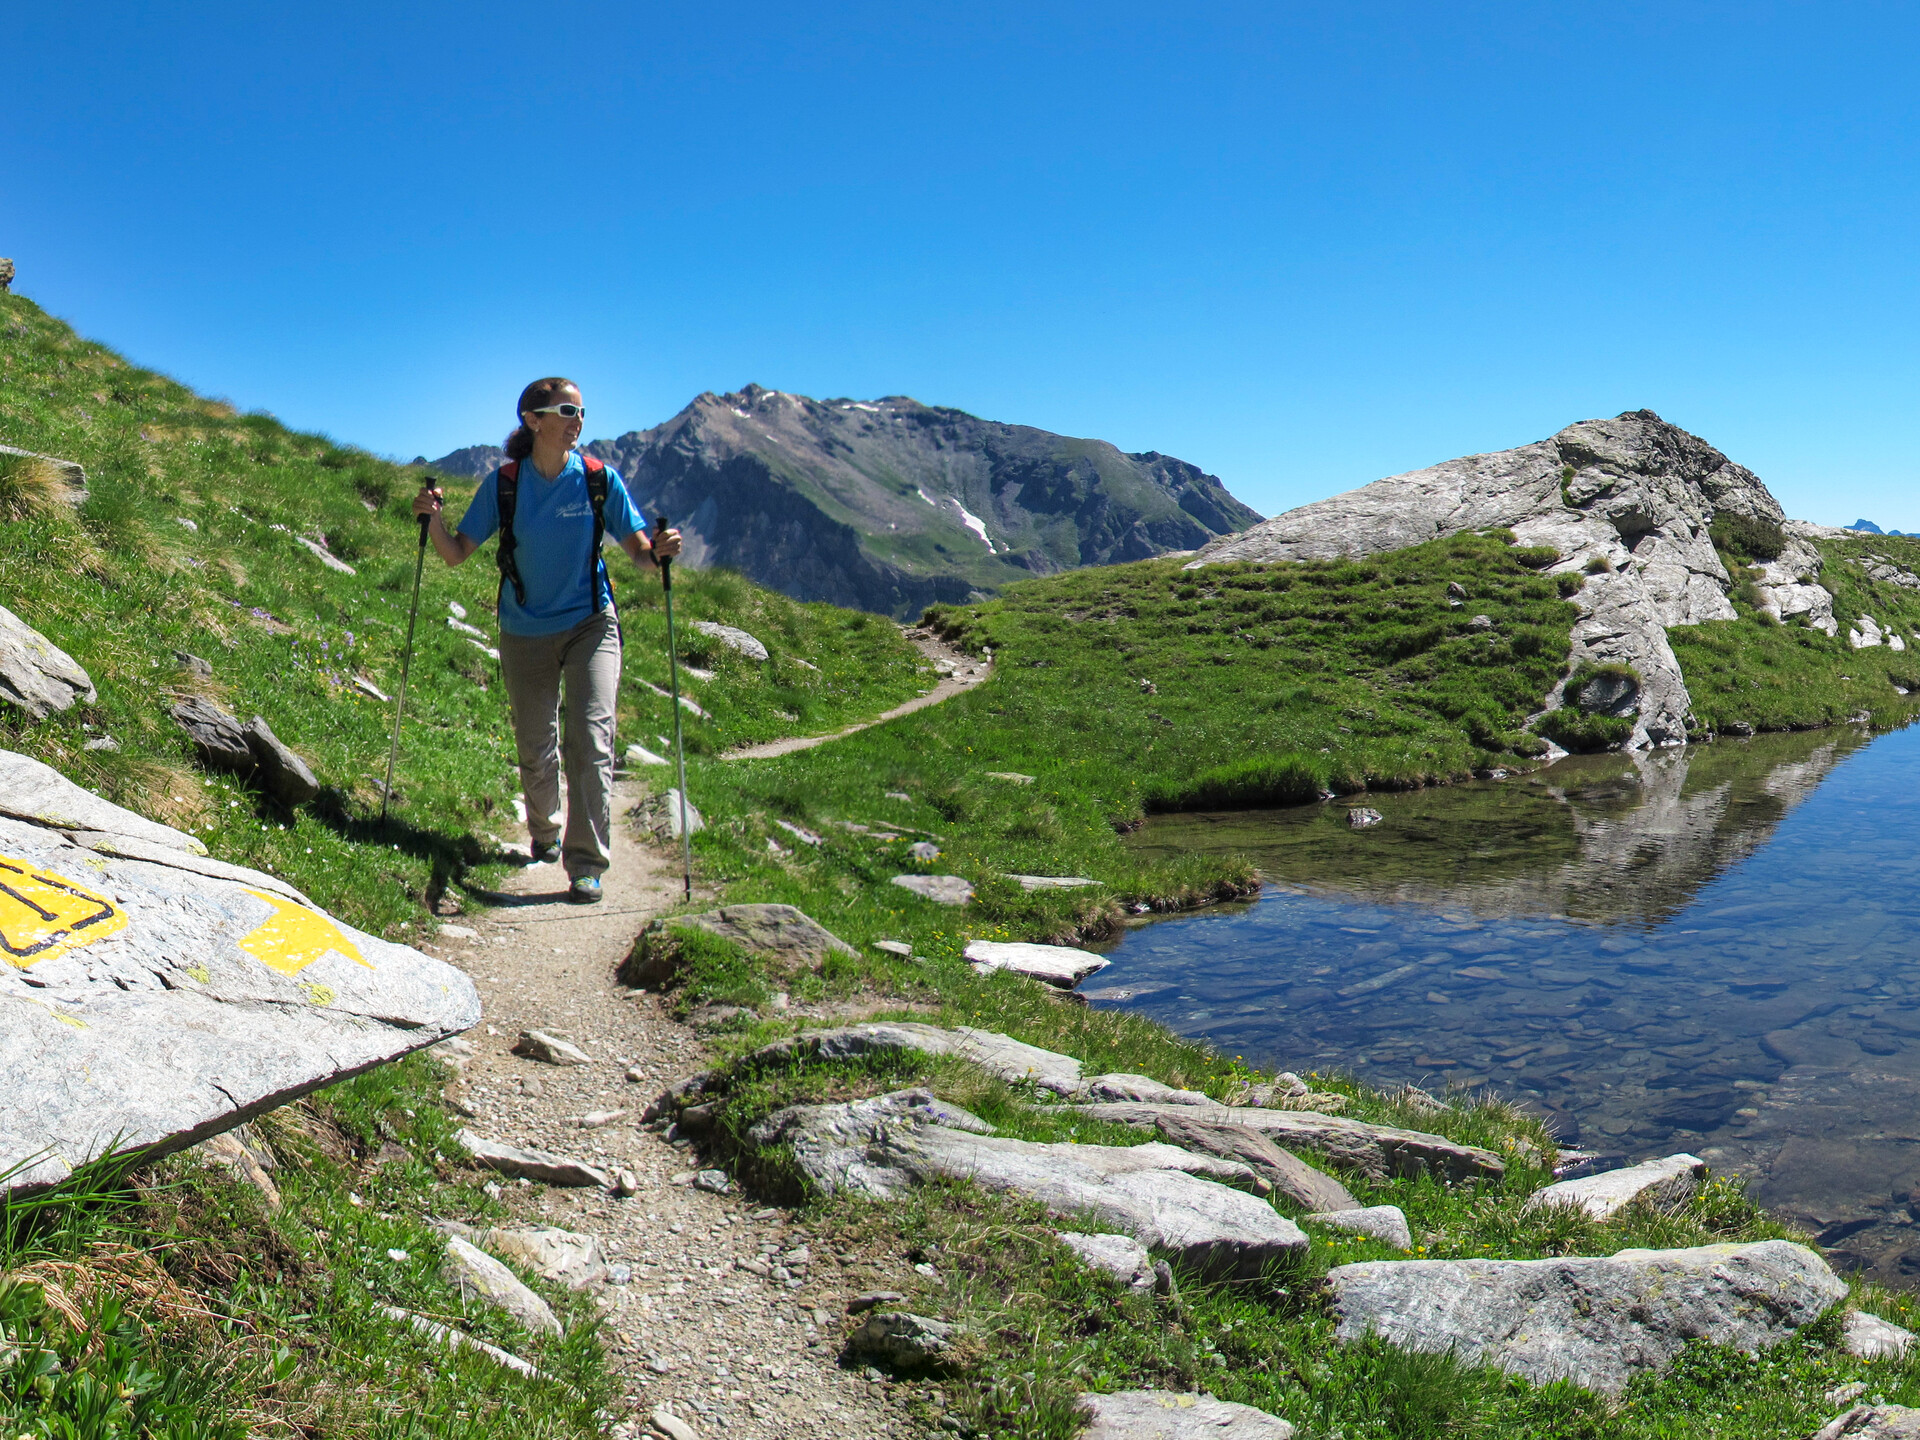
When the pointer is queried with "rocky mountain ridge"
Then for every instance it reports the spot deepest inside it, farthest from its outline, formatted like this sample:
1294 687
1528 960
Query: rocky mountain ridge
1630 502
891 505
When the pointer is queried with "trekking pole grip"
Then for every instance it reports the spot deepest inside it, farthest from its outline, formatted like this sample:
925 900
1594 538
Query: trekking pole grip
665 561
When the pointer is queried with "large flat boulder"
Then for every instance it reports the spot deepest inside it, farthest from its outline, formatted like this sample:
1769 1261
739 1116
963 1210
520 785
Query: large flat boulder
1596 1322
1382 1152
1670 1181
1059 965
36 675
33 791
148 1006
1013 1061
1177 1415
1166 1198
784 935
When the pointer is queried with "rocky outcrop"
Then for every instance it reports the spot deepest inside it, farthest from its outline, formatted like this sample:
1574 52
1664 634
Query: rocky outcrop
149 1005
1165 1198
892 505
1630 499
37 676
1596 1322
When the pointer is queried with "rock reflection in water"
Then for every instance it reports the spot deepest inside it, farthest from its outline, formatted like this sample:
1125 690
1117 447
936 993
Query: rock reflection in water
1590 939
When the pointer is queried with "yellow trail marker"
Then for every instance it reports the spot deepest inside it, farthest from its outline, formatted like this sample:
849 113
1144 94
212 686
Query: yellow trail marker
293 937
43 914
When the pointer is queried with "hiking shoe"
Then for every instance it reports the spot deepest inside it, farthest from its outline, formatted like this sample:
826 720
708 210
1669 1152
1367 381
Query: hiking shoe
585 889
545 852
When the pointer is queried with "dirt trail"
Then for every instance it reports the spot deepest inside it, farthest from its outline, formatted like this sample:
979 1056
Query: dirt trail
735 1352
958 672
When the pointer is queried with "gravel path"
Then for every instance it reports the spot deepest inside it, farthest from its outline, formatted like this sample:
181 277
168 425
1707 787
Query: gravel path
958 672
734 1351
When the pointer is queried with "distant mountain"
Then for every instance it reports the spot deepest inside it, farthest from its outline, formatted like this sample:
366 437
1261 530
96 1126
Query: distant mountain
1873 529
890 505
475 461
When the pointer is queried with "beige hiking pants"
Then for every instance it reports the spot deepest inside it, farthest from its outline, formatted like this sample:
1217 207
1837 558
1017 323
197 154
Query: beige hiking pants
585 662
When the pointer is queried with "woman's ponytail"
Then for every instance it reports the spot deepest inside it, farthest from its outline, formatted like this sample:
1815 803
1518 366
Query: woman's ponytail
537 395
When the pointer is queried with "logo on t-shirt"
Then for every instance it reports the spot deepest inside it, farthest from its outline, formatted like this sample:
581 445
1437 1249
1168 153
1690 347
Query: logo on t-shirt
578 510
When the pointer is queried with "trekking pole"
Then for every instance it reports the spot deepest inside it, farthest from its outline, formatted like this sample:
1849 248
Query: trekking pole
406 664
679 749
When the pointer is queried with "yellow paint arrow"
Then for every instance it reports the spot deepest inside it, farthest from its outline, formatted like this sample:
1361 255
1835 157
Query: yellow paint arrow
293 937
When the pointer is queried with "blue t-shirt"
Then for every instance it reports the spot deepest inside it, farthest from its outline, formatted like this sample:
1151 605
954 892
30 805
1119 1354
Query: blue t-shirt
552 532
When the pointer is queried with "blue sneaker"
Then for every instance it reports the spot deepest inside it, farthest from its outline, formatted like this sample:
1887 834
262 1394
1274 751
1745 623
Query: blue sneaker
585 890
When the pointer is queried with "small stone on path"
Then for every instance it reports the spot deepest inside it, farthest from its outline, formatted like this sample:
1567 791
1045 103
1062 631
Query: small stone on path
871 1298
531 1164
549 1049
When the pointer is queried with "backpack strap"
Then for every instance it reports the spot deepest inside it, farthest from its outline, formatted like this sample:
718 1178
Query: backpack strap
597 494
506 494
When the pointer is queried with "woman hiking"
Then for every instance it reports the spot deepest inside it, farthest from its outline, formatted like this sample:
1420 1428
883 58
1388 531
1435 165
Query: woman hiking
558 630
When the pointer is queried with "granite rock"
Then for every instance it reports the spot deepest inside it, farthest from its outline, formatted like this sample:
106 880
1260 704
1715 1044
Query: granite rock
282 774
1166 1198
37 676
1378 1151
1120 1256
478 1276
155 1005
1872 1422
1596 1322
1660 1183
1058 965
1385 1223
901 1338
525 1162
1013 1061
787 936
1175 1415
218 741
1868 1337
733 639
1292 1179
941 889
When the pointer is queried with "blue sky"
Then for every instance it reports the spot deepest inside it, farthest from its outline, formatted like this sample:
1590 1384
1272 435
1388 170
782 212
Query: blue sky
1301 246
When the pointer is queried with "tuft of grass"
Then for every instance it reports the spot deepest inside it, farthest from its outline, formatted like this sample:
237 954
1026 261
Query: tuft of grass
30 486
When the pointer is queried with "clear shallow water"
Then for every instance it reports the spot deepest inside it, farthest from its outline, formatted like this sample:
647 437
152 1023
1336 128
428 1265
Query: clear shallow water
1715 949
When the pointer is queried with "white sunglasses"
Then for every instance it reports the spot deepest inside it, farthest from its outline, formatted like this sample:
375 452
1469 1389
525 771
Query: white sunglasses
565 412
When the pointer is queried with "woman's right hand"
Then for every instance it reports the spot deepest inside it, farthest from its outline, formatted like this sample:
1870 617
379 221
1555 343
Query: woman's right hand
428 501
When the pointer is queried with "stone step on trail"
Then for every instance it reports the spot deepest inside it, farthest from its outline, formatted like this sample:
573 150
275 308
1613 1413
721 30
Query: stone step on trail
1597 1322
1166 1198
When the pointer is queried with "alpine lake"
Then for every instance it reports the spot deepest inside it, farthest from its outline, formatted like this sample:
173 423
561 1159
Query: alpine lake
1713 948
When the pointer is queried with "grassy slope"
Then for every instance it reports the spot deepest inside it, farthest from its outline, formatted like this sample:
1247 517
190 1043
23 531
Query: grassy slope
294 1335
1336 675
1788 677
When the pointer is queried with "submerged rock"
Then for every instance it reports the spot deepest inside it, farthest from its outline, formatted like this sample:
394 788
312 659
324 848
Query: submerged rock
1174 1415
1163 1197
1596 1322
